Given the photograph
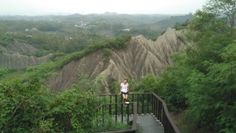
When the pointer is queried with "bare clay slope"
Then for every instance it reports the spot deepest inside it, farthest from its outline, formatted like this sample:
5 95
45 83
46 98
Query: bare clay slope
19 56
141 57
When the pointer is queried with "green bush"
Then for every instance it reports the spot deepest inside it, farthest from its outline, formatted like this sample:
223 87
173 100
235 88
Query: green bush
3 72
27 106
22 105
73 110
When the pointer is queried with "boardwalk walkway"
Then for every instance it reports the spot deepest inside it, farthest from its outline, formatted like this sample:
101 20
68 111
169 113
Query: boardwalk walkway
148 124
142 113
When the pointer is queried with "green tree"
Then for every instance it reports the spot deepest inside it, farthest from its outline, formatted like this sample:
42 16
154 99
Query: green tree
23 104
226 8
73 111
201 82
27 106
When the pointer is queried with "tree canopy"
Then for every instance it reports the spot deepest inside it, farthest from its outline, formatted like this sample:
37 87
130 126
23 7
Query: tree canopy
202 80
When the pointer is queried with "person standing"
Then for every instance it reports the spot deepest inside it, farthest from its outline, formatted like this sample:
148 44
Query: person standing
125 90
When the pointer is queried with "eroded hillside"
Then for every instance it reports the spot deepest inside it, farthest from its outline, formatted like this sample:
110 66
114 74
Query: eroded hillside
140 57
20 55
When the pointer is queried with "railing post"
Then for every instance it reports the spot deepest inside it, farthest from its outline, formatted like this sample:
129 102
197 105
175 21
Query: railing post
138 103
143 111
122 113
163 115
116 103
152 103
103 117
105 100
135 115
132 99
159 110
155 107
127 113
110 105
166 129
147 100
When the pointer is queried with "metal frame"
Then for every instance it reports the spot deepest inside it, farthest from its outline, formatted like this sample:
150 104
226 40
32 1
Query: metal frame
142 103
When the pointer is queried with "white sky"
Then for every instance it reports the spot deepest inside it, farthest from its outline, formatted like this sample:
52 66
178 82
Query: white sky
42 7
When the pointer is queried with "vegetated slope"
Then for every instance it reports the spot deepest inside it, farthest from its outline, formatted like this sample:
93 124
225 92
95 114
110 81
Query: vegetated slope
172 21
19 55
140 57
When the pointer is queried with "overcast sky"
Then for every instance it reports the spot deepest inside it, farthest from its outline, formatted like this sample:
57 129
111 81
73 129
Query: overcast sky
43 7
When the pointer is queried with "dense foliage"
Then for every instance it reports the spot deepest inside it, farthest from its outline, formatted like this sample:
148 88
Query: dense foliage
27 106
3 72
202 81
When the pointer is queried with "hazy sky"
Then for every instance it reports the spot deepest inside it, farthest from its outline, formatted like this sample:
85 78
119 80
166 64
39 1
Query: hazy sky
42 7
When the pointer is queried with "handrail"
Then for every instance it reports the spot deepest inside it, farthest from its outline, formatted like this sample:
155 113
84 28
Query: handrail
167 113
129 93
146 103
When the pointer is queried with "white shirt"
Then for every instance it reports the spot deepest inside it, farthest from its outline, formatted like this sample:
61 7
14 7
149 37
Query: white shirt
124 87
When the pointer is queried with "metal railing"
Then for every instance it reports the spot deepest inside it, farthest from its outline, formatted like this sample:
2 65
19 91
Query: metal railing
119 113
142 103
160 111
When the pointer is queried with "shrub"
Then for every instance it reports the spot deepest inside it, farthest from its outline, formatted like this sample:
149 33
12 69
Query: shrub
26 106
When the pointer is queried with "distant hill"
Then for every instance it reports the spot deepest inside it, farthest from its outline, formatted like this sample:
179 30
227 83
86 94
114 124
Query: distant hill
108 24
173 20
26 41
139 18
18 55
